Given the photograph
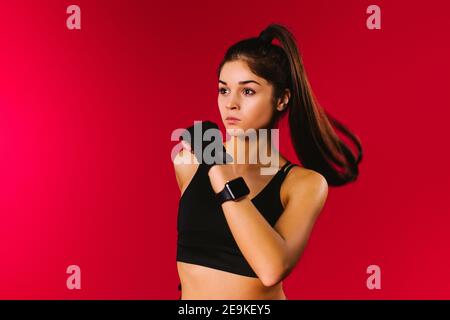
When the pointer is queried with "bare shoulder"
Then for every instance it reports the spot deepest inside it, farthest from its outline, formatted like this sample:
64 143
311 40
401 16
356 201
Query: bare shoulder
303 183
185 165
305 193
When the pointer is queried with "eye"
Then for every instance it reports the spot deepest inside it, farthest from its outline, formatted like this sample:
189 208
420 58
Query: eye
221 90
252 92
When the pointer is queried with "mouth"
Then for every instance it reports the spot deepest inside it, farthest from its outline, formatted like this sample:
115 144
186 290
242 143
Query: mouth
232 119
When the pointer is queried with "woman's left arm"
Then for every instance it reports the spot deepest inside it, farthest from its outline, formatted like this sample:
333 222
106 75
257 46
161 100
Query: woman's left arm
272 252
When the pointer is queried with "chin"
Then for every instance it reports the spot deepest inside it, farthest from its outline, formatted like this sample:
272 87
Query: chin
235 131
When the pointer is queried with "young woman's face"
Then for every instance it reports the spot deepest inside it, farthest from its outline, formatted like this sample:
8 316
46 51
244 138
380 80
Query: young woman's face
245 96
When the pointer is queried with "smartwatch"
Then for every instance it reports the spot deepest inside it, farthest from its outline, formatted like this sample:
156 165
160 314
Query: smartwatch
234 190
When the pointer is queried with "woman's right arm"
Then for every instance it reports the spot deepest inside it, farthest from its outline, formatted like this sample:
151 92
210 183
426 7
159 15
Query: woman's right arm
184 165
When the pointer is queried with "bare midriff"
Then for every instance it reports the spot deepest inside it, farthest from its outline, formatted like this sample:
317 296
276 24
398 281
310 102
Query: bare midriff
204 283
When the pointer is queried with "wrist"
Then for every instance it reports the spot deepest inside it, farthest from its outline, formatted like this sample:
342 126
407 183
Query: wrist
218 178
233 190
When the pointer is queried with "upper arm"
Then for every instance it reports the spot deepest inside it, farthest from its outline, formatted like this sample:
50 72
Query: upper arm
184 165
307 194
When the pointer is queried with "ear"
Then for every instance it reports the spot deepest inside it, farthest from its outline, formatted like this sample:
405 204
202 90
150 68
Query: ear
283 101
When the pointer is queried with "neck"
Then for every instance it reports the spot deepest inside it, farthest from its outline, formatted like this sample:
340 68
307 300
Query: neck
252 152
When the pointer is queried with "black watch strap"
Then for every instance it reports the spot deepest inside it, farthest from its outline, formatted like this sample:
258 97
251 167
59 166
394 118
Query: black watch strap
233 190
224 195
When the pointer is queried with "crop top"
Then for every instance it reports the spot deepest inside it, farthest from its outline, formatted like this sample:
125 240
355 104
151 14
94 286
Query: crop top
204 237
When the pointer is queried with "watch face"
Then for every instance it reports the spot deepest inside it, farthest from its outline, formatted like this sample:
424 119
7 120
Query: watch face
237 188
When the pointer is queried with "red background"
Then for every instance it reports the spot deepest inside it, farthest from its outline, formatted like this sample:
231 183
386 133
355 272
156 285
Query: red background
85 120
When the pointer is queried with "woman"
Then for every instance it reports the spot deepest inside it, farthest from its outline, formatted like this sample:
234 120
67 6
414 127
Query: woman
243 248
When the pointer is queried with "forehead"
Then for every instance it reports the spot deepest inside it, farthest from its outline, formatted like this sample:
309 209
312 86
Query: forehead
234 71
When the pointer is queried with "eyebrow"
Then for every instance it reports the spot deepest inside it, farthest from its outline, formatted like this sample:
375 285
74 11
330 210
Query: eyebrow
241 82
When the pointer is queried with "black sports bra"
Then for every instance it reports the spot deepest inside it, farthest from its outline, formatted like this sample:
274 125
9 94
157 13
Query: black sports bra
204 237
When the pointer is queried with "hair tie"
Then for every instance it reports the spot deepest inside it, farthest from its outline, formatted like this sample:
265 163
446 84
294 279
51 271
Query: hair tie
266 38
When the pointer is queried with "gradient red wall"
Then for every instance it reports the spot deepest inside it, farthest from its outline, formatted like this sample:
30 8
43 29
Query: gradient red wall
86 115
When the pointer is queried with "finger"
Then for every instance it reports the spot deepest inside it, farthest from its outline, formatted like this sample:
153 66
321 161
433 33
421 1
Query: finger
186 145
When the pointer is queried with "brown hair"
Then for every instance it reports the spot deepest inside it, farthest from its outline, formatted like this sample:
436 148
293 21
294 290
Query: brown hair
312 129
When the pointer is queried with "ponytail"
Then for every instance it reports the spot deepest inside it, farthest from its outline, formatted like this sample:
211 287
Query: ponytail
312 129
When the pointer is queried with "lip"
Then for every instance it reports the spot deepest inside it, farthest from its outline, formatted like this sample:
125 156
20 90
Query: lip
232 119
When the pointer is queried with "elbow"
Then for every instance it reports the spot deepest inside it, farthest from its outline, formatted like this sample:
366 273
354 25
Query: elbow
269 281
277 271
274 276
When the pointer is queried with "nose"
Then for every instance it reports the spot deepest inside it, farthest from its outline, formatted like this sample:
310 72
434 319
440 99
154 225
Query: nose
232 103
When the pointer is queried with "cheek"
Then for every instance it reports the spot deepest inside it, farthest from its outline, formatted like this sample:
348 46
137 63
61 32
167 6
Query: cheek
221 104
258 115
255 113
